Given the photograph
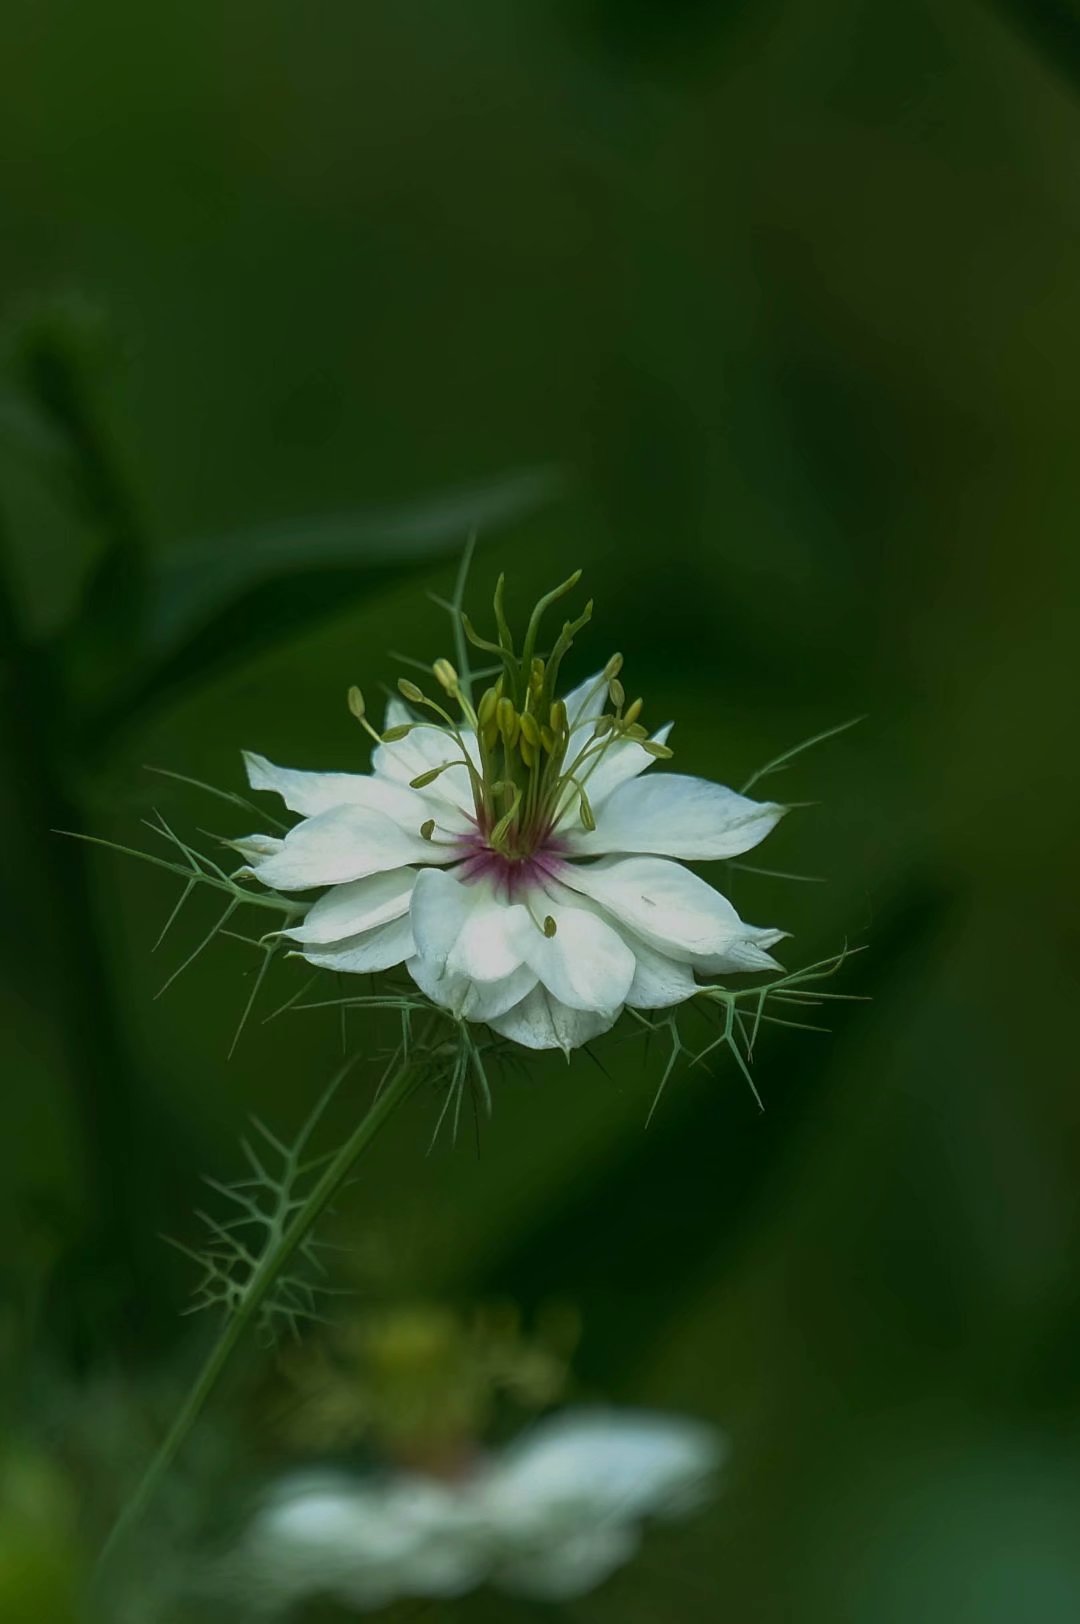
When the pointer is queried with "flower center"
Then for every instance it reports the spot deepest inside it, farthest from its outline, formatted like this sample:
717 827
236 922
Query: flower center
530 762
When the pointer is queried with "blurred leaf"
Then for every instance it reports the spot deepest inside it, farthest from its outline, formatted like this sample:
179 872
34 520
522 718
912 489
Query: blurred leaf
62 354
24 433
221 601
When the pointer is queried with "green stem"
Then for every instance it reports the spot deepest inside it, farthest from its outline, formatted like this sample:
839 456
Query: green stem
269 1267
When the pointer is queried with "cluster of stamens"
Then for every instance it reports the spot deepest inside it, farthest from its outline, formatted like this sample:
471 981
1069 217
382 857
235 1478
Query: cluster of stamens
530 764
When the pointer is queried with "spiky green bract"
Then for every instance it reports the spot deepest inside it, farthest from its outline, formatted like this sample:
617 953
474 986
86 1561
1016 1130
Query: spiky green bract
286 1235
736 1015
196 869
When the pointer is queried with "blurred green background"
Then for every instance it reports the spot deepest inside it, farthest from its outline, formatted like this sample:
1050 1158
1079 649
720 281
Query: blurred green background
766 315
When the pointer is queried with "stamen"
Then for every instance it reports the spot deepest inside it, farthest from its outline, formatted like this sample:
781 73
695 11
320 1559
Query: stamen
355 700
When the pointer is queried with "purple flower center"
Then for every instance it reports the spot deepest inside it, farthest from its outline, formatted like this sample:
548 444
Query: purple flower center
512 876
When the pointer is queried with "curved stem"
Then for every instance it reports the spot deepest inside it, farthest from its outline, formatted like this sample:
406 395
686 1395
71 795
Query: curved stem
269 1267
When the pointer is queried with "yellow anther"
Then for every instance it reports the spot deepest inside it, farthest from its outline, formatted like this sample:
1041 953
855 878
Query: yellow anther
409 690
427 829
530 729
422 780
547 739
446 677
509 721
617 692
635 730
652 747
550 927
613 667
558 718
398 732
485 711
632 712
356 703
528 751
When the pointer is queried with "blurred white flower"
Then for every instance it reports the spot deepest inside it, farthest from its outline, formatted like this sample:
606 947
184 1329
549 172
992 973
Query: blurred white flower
517 863
550 1517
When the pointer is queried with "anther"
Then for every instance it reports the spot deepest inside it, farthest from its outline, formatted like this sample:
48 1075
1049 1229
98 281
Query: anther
632 712
485 711
509 721
409 690
398 732
422 780
427 829
617 692
661 752
356 705
613 667
446 677
550 927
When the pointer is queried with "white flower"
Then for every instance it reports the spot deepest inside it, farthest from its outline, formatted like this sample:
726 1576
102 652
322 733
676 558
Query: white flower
517 863
550 1517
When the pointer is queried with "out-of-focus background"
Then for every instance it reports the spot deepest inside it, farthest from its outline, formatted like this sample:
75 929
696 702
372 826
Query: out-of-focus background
766 315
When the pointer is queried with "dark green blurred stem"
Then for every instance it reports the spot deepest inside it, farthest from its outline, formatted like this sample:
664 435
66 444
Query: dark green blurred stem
267 1271
52 917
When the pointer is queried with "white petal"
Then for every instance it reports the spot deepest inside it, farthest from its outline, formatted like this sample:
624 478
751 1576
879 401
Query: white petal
378 949
347 843
365 1541
586 964
659 982
745 954
461 927
255 846
677 816
485 951
542 1022
471 1000
360 905
667 905
426 747
312 793
623 1463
